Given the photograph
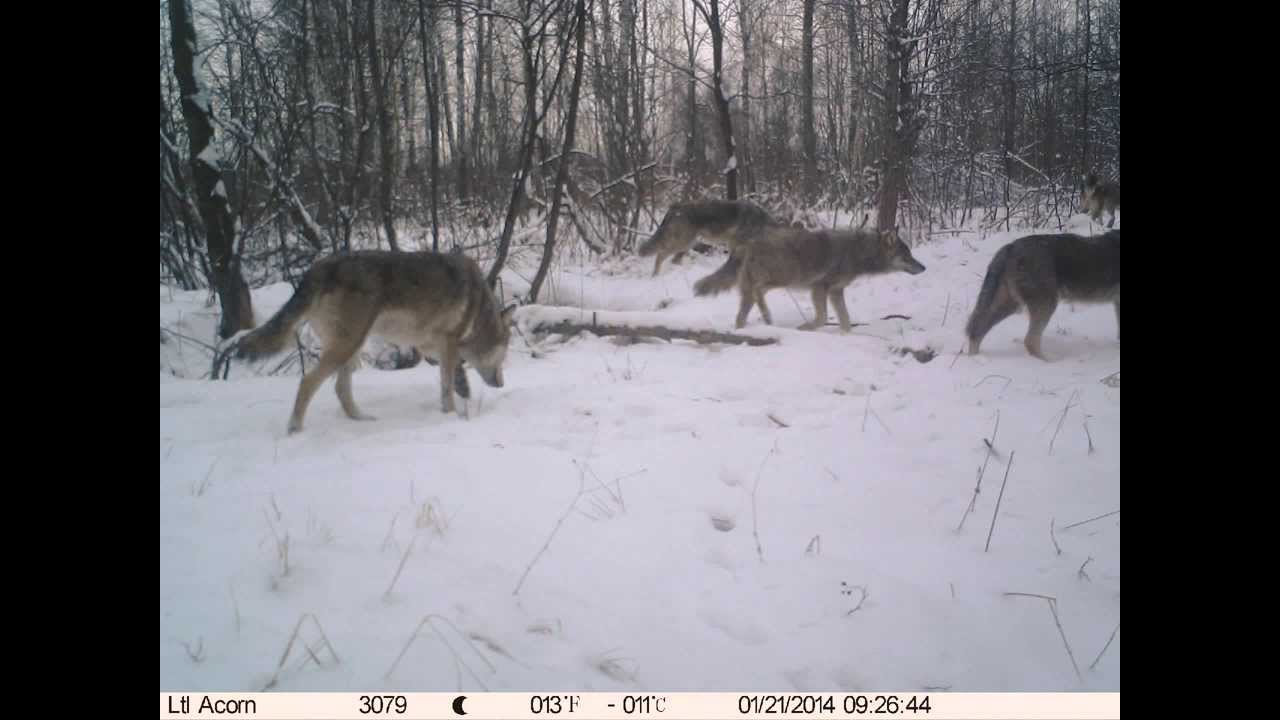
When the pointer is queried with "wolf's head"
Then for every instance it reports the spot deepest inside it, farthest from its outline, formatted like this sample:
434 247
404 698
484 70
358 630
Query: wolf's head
900 257
487 351
1089 193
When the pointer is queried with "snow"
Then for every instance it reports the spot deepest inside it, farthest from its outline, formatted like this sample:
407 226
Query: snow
674 461
201 98
209 156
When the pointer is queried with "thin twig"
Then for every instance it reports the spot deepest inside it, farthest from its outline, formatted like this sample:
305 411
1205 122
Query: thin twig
449 622
1051 537
584 468
1034 595
204 484
1082 522
628 476
876 415
991 448
428 620
289 646
1104 647
390 529
180 336
1053 608
311 655
1063 418
998 499
403 559
545 545
776 420
282 546
1006 379
754 532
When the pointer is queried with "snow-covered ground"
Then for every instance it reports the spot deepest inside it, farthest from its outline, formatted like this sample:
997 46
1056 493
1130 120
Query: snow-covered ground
674 516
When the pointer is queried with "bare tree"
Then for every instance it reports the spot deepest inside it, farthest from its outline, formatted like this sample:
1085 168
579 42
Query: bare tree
1010 103
536 16
1084 94
937 111
897 115
562 171
385 141
712 18
211 192
426 36
460 57
807 129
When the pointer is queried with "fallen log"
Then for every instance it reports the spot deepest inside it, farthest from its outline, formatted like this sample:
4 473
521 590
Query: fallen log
705 337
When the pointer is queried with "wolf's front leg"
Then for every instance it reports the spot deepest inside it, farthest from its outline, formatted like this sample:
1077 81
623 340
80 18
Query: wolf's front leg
460 384
764 307
343 387
448 366
819 296
842 311
745 301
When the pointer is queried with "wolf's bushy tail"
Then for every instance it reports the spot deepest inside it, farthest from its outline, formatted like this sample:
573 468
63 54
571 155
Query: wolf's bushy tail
650 246
722 279
271 337
986 297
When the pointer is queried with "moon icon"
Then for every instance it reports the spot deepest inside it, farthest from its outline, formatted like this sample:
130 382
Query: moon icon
457 705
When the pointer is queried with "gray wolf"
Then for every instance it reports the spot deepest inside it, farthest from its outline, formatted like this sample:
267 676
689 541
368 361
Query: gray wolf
729 223
822 261
1035 272
1098 196
438 303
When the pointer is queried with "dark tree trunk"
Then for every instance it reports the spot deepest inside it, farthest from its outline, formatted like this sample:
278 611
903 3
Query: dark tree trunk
463 175
897 115
386 178
426 33
211 194
722 103
807 129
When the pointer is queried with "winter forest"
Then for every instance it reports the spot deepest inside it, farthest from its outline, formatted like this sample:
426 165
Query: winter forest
357 123
637 490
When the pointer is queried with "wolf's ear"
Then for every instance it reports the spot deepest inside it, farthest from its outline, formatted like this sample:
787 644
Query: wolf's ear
508 313
889 237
